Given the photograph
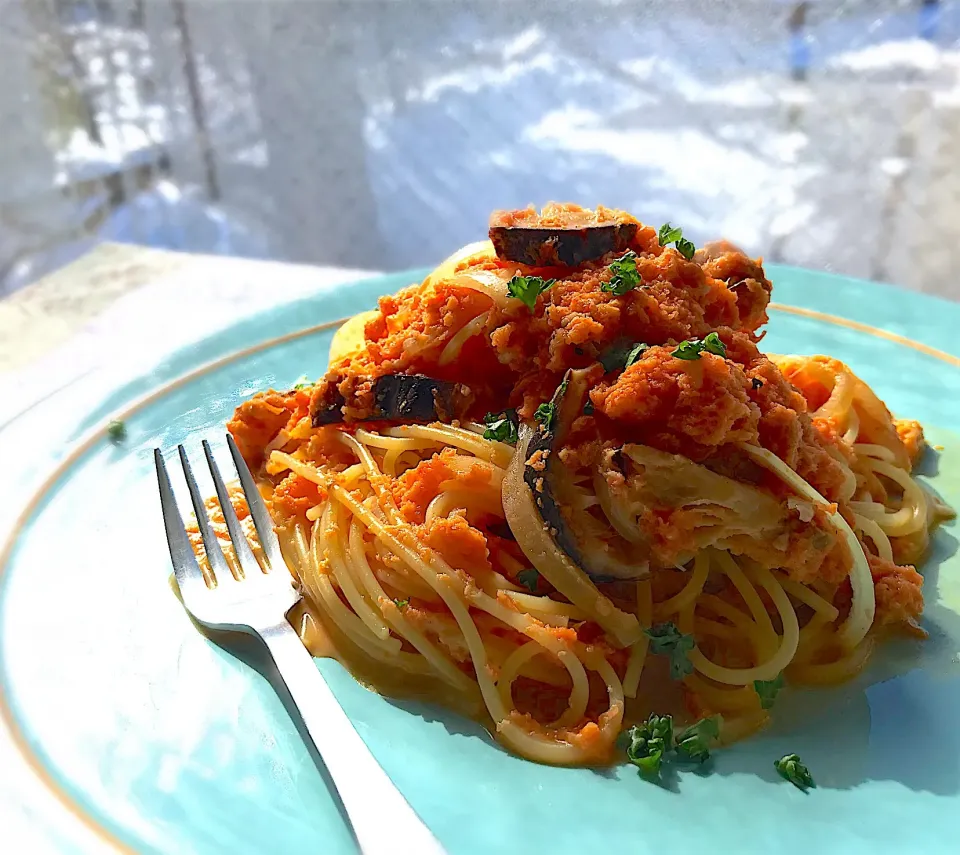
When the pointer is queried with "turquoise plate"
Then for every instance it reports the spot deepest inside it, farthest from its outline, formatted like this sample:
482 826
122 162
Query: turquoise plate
161 742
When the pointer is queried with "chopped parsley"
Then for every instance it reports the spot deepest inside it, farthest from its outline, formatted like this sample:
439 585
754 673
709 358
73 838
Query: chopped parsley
529 579
117 431
651 743
501 427
527 288
303 382
666 639
544 415
669 234
621 355
402 604
624 275
635 353
693 348
791 768
767 690
547 412
757 383
694 743
588 408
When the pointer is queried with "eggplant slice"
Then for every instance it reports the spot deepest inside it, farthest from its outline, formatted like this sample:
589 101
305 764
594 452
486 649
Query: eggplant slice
521 237
603 560
404 398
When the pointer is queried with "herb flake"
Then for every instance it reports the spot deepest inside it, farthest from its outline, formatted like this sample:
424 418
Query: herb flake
649 743
695 742
526 289
624 275
402 604
767 690
303 382
621 354
671 234
501 427
693 348
666 639
791 768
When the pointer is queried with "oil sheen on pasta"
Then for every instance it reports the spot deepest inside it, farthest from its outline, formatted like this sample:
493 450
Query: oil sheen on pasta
762 504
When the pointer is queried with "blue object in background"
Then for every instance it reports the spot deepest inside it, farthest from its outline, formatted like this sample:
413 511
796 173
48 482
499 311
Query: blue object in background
929 19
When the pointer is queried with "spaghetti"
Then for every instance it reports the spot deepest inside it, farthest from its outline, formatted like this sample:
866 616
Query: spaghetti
647 497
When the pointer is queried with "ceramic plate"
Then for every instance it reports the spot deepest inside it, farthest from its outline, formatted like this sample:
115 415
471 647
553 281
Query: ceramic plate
162 742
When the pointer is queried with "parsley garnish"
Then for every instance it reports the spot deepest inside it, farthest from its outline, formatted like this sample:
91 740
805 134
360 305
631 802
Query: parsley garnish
693 348
303 382
757 383
588 408
501 427
654 741
668 234
767 690
529 579
544 415
635 353
624 275
528 288
665 638
117 431
402 604
694 743
621 355
649 742
546 412
792 769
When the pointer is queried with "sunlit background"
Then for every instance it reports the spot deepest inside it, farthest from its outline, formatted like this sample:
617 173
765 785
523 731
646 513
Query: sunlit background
381 134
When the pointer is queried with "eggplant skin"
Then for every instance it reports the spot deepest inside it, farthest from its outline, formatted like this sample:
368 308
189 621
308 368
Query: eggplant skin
415 398
403 398
536 474
601 561
560 247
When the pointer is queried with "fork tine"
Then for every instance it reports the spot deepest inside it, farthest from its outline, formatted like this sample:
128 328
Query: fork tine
248 561
186 570
258 510
218 564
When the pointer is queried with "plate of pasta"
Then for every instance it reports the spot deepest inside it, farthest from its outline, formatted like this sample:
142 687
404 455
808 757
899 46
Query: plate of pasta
604 539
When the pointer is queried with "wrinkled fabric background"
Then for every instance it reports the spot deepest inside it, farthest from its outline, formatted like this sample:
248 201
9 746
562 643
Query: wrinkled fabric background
380 133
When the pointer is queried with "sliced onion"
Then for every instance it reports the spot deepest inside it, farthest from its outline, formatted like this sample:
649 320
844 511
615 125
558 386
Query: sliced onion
556 567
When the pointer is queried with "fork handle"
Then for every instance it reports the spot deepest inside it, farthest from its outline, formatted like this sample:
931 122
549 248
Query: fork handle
383 821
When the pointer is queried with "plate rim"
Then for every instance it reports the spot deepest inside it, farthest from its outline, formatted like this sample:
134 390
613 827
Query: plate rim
113 384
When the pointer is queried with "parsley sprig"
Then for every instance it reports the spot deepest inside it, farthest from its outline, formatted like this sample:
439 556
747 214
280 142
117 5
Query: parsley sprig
694 743
767 690
792 769
624 275
649 742
666 639
621 355
501 427
654 741
671 234
693 348
527 288
303 382
547 412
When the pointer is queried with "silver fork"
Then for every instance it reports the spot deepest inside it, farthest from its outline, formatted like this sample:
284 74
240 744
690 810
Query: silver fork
382 819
